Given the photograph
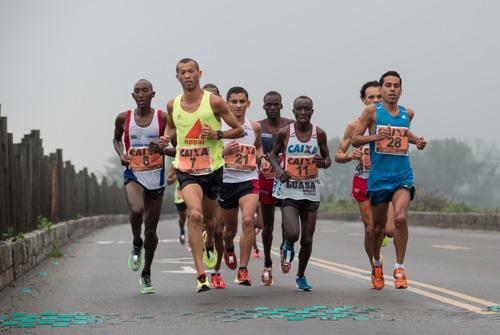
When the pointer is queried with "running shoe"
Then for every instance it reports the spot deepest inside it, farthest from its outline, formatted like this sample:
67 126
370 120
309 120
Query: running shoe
287 254
385 241
210 257
242 278
266 277
256 253
400 280
182 239
135 259
377 277
146 285
202 285
217 281
230 259
302 284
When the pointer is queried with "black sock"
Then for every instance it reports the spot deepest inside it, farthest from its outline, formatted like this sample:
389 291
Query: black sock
242 267
145 273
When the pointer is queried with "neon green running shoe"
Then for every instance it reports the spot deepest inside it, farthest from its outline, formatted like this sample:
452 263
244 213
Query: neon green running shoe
135 259
385 241
202 286
210 257
146 285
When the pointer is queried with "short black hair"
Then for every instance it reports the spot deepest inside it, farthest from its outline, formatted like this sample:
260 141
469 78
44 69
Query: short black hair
390 73
210 85
236 90
147 83
302 97
362 92
187 60
272 93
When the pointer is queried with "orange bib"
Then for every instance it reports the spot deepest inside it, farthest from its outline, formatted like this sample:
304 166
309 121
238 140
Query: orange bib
244 160
195 161
365 158
301 167
397 144
141 159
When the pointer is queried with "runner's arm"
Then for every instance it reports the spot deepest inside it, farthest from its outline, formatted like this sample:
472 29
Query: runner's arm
341 155
279 147
365 121
221 110
259 151
171 175
324 161
420 142
170 131
117 138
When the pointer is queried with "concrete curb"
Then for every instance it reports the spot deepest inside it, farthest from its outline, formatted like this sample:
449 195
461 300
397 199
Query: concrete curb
16 258
490 222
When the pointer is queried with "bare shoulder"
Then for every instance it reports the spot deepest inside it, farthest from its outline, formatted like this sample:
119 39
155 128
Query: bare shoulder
216 101
170 105
121 118
256 126
320 132
410 112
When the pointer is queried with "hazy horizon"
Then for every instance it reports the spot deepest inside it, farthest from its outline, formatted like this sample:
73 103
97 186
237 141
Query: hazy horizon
68 67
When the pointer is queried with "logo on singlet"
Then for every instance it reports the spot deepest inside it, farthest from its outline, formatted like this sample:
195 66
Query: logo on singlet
193 136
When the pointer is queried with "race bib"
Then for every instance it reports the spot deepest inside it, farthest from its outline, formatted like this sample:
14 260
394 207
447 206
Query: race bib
397 144
301 167
195 161
244 160
365 158
141 159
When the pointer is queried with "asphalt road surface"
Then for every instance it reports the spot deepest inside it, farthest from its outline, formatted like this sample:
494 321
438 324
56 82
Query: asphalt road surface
454 278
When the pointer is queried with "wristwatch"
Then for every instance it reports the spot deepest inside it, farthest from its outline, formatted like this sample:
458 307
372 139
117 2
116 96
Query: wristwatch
220 134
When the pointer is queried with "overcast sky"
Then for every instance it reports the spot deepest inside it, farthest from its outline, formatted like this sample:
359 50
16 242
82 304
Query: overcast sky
68 67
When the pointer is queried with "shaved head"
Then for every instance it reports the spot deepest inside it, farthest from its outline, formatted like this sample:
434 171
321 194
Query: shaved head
145 81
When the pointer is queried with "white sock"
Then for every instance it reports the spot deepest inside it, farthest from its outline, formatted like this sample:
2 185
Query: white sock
377 262
399 266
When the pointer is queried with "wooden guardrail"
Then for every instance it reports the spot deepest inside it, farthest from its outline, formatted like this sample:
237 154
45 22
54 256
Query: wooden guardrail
33 184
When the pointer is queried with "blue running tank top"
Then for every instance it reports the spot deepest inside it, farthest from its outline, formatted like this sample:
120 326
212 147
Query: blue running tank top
389 171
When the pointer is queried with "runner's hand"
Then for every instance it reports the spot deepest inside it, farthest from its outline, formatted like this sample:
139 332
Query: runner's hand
154 148
421 143
231 148
125 160
356 154
266 168
320 162
282 175
208 132
164 141
383 133
257 230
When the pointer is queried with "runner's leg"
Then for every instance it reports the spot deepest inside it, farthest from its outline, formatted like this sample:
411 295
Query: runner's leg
308 224
152 216
401 200
248 205
364 210
193 195
135 199
267 232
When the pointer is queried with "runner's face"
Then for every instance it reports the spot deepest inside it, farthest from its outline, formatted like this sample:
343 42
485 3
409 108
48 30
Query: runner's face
303 110
143 94
272 106
188 75
391 90
238 104
372 95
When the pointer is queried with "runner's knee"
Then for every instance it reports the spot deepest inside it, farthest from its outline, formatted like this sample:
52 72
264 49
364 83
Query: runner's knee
400 221
196 217
136 211
247 222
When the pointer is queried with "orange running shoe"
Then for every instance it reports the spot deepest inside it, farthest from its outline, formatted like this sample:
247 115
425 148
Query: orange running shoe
400 280
242 278
230 259
217 281
377 277
266 277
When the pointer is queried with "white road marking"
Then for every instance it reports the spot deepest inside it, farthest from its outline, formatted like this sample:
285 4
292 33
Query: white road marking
105 242
450 247
181 260
185 269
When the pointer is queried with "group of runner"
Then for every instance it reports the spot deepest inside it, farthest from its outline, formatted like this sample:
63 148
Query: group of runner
225 163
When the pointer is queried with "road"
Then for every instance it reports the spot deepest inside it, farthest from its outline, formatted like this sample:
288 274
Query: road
454 276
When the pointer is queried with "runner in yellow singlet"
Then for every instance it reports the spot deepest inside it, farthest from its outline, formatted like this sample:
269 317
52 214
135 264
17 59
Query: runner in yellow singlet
195 120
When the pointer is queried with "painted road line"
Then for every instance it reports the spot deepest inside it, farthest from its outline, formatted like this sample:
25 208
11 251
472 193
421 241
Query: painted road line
450 247
358 273
185 269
